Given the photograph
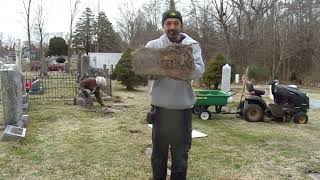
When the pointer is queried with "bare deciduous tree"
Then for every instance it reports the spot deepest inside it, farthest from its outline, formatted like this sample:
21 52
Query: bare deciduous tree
27 8
73 12
39 31
126 22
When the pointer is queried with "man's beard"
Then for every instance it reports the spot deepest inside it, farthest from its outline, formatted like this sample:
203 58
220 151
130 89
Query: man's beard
173 35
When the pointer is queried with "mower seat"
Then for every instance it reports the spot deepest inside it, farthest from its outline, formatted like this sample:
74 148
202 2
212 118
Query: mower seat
250 88
258 92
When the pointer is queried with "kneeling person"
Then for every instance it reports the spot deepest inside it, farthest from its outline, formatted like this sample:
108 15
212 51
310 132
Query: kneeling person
91 85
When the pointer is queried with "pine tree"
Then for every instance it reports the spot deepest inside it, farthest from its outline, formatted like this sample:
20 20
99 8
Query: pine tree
108 39
57 47
213 73
84 31
124 71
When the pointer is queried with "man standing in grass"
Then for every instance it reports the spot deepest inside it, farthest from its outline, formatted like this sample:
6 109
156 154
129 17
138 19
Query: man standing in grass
172 101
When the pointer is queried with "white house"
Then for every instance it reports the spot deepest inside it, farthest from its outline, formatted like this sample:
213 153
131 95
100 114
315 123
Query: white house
99 60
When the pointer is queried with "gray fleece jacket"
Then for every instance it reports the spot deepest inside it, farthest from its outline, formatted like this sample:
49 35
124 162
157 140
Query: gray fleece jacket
171 93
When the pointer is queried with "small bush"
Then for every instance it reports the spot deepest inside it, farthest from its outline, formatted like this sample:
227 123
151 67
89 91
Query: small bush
61 60
213 73
125 74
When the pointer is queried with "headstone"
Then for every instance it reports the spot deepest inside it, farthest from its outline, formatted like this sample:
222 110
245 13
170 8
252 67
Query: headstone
25 98
13 133
270 92
36 87
18 56
226 78
11 95
9 67
237 78
111 70
85 66
66 67
174 61
23 122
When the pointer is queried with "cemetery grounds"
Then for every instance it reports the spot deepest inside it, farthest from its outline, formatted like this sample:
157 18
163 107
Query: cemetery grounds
70 142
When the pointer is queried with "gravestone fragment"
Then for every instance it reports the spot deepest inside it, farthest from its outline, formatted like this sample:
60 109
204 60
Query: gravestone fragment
174 61
13 133
25 103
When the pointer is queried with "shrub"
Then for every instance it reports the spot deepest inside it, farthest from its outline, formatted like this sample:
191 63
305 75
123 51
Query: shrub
213 72
61 60
124 73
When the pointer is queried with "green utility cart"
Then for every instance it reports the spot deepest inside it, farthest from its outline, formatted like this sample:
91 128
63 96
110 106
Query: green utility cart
207 98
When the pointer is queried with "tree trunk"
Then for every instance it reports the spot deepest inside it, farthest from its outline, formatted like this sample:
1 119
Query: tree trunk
44 65
28 29
69 46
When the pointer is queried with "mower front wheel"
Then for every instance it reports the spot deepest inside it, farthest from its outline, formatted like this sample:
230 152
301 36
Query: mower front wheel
300 118
253 113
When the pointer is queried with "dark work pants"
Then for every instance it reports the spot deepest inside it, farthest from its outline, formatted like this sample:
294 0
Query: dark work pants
171 128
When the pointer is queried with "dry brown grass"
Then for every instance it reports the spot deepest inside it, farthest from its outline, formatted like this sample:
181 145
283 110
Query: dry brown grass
68 142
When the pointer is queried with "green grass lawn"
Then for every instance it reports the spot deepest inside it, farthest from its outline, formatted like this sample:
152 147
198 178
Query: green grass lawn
70 142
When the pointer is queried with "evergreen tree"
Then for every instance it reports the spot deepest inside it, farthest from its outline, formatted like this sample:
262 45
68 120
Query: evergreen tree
83 34
108 39
124 71
213 74
57 47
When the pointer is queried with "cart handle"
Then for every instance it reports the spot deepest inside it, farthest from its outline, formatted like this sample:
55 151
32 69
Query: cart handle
235 92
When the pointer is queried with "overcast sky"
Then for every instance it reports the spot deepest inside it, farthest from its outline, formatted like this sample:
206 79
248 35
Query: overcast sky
12 21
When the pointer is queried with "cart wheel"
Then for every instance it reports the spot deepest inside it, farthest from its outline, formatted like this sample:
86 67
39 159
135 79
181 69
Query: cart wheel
205 115
300 118
253 113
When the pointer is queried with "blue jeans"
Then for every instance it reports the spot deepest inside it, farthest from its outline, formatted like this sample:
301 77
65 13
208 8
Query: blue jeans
171 128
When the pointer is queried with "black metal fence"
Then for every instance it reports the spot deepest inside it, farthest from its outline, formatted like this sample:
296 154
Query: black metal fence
59 85
56 86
